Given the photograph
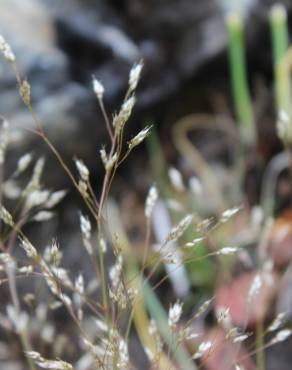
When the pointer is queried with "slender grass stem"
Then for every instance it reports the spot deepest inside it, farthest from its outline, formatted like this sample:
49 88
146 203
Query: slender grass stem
240 89
260 354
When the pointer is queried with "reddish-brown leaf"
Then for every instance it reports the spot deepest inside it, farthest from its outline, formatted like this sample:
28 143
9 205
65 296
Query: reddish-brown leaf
224 354
235 295
280 241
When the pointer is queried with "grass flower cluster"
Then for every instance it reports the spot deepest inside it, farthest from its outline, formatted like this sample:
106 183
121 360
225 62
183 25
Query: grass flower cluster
184 245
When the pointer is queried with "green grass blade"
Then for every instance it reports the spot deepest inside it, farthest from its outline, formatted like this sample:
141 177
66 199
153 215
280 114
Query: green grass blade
240 89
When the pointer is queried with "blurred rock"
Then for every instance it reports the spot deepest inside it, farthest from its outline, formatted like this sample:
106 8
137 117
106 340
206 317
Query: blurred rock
99 36
66 108
200 44
59 46
32 38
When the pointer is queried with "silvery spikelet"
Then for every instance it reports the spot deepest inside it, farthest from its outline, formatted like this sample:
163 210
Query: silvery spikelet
98 88
134 76
6 50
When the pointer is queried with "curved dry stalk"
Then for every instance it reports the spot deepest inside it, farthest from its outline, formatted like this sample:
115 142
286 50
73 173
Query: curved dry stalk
186 148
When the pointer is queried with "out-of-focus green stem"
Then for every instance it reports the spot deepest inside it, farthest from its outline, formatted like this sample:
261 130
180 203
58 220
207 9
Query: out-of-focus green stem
280 41
260 345
26 347
240 89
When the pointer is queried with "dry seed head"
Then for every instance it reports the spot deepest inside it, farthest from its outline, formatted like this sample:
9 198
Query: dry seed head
50 279
85 226
177 231
48 364
257 216
174 205
176 179
79 284
254 288
34 183
101 325
134 76
6 259
203 348
92 285
228 213
36 198
108 162
240 338
174 314
115 271
194 242
43 216
65 299
153 331
103 157
5 216
52 254
83 188
98 88
11 190
4 140
232 333
38 169
150 201
29 249
195 186
55 198
281 336
278 322
239 367
188 335
223 317
132 293
23 163
55 254
284 129
82 170
150 355
124 114
25 93
152 327
6 50
103 245
203 308
227 250
111 162
119 296
55 305
48 333
26 269
123 361
139 138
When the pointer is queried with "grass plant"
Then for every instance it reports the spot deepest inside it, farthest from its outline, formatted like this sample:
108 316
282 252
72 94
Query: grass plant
200 241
